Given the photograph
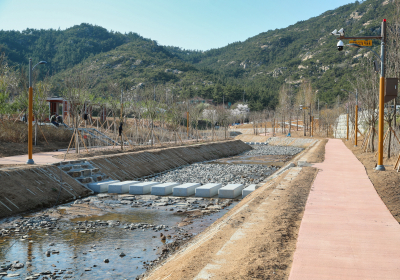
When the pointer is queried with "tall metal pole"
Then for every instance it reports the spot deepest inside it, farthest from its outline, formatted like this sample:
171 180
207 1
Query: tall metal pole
187 120
381 99
356 121
310 121
30 115
347 123
122 109
319 127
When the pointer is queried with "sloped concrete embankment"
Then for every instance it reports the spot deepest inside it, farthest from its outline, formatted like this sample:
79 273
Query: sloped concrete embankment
34 188
146 163
301 142
25 189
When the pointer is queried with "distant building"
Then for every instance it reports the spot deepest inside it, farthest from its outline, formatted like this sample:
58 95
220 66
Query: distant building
58 105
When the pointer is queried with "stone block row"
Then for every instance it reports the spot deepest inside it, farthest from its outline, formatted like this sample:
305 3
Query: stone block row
175 189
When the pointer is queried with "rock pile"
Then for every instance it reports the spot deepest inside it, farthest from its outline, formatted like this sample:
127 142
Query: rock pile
273 150
217 173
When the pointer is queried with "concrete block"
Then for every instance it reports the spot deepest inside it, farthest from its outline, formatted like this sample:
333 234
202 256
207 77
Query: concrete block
230 191
102 186
163 189
185 189
248 190
208 190
121 187
142 188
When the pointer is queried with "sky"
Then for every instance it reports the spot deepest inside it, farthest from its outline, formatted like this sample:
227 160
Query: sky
189 24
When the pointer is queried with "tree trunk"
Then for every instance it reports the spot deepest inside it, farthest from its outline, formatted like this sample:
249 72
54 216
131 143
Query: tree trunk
390 139
372 140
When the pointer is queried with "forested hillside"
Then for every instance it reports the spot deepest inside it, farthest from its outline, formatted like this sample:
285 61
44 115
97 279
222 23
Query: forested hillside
253 70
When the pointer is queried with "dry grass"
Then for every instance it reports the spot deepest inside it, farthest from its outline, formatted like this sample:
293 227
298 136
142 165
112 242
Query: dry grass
17 132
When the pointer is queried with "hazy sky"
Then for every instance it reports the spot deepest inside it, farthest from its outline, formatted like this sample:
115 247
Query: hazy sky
190 24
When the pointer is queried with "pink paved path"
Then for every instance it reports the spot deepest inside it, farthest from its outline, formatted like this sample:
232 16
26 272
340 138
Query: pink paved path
346 232
38 158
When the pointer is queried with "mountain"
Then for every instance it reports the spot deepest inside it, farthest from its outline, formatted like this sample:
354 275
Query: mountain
253 70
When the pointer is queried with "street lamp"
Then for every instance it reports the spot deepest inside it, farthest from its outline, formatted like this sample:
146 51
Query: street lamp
341 36
355 121
30 117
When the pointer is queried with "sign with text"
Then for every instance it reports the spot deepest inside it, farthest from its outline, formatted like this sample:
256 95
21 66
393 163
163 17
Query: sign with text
364 43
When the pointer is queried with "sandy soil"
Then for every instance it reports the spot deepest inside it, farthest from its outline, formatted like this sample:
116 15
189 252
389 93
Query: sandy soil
386 182
254 240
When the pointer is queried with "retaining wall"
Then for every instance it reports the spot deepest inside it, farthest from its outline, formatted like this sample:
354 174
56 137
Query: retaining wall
29 188
33 188
135 165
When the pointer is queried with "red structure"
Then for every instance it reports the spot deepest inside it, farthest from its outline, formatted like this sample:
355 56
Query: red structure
62 107
58 105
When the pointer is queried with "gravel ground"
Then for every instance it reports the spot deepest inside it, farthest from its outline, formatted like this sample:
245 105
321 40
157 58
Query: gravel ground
217 173
228 173
261 150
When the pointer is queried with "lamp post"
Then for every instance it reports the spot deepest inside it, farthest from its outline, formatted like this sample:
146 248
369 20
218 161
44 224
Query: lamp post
382 38
30 115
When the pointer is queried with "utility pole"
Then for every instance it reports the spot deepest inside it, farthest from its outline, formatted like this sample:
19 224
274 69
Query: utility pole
152 118
380 165
304 122
311 121
319 124
120 117
356 121
382 38
187 120
30 113
347 123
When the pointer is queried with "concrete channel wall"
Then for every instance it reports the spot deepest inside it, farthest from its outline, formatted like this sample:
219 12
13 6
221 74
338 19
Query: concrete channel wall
135 165
29 188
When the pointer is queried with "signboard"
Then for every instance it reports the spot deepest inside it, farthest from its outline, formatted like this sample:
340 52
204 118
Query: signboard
365 43
391 89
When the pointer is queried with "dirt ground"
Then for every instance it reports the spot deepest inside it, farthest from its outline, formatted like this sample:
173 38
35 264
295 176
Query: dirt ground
254 240
385 182
8 149
319 154
117 149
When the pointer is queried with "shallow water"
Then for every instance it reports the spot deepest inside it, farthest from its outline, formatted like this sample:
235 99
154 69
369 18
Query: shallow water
83 254
77 250
80 251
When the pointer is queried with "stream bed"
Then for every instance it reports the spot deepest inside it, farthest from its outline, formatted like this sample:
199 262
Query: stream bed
110 236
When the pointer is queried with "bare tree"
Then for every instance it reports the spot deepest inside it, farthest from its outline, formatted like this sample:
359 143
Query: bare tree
76 91
306 98
40 106
174 116
195 115
285 105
